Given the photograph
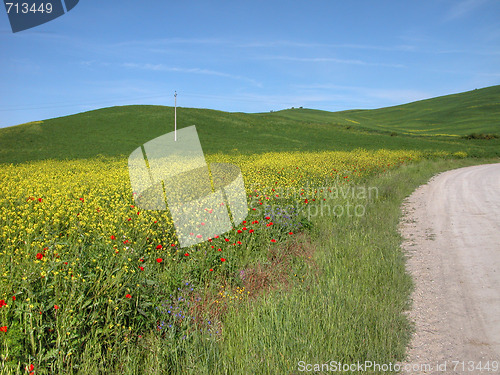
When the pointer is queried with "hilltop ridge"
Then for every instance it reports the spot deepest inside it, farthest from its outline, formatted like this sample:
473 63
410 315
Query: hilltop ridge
435 124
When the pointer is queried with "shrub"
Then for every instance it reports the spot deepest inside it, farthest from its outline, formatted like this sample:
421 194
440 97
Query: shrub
480 136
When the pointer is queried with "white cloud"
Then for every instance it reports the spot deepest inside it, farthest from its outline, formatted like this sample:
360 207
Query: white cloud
463 8
170 41
158 43
331 60
396 96
288 43
165 68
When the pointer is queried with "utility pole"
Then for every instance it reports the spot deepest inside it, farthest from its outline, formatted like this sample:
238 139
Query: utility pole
175 117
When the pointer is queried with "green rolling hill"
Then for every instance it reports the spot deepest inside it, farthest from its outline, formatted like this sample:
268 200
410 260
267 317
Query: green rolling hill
451 115
431 125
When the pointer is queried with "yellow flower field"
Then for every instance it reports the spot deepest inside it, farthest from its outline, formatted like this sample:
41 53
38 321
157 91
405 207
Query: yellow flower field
78 259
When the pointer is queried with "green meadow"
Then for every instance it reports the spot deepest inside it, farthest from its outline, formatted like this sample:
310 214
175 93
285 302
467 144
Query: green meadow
428 125
92 284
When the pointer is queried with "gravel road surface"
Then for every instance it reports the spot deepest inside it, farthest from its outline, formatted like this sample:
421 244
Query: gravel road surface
451 228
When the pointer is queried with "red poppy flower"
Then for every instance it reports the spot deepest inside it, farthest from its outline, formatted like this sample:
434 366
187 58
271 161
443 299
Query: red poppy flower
306 201
125 242
251 231
113 237
290 232
3 329
128 296
2 303
222 259
13 298
273 240
267 218
56 307
40 199
39 256
227 239
141 268
31 368
159 247
211 269
141 260
159 260
186 255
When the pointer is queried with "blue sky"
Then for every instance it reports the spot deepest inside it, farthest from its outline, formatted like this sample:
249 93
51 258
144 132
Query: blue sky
247 56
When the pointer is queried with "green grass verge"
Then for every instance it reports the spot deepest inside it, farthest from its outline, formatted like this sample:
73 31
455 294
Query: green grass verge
354 310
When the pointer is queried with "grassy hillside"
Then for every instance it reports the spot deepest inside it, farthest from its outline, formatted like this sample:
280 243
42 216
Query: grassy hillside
119 130
451 115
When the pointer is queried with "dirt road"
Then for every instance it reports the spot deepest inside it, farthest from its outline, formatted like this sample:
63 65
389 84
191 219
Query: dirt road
451 227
